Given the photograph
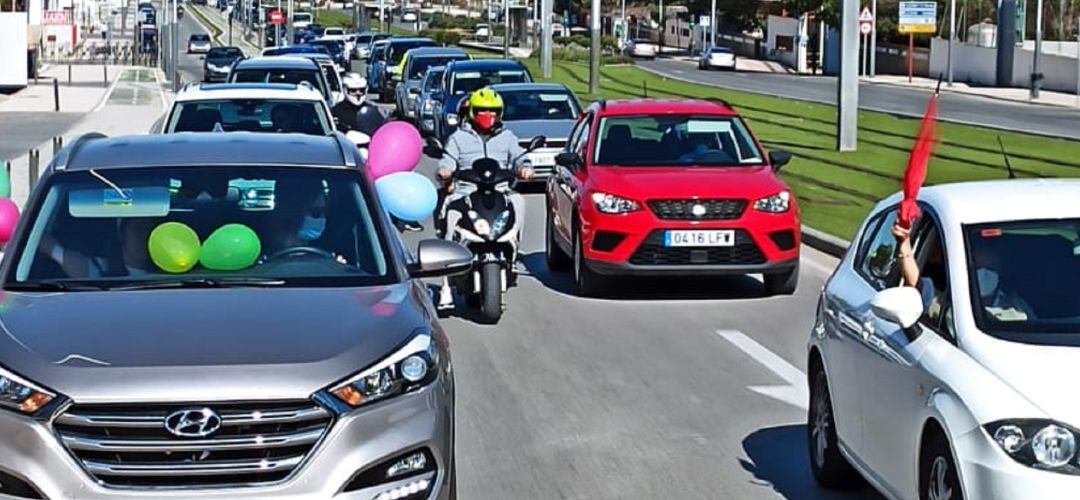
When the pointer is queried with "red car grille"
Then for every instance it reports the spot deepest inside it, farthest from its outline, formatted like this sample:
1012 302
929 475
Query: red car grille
710 209
652 252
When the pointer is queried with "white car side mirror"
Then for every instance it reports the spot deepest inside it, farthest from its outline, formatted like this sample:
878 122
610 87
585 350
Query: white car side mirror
902 305
359 138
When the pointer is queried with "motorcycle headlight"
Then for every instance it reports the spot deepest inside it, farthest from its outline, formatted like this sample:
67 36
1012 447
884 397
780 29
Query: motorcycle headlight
777 203
408 368
452 119
20 395
611 204
501 221
1037 443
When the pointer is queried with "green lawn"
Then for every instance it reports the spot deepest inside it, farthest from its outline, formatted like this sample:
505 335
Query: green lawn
837 189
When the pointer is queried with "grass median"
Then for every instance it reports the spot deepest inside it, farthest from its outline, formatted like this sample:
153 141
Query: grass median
836 190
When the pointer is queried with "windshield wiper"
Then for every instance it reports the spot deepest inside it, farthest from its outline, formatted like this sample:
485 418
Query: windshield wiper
50 286
202 283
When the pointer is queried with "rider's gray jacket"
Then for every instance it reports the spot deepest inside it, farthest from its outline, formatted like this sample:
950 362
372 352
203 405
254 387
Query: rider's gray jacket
466 146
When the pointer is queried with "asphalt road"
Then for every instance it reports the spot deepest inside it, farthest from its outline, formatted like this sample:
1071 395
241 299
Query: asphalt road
20 131
1039 119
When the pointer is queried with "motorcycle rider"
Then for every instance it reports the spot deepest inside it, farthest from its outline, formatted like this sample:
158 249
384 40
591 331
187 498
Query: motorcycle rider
482 135
345 112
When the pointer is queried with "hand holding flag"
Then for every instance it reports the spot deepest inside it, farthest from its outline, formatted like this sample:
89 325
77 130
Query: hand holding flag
918 161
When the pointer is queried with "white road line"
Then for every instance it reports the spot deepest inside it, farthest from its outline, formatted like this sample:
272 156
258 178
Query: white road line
108 93
795 393
161 89
817 266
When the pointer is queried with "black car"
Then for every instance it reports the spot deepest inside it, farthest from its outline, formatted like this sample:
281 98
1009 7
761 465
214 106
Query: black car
219 61
336 49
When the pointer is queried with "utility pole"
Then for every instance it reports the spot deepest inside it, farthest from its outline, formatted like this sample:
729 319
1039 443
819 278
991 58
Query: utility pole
847 126
289 27
1036 73
506 29
382 16
873 41
594 49
545 37
952 38
712 24
660 39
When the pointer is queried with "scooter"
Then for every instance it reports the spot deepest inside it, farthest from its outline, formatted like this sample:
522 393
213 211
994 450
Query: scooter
490 229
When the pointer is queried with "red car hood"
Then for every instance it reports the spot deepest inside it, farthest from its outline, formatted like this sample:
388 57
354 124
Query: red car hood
686 182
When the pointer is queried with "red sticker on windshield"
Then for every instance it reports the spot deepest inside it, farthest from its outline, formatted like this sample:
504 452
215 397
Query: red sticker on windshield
991 233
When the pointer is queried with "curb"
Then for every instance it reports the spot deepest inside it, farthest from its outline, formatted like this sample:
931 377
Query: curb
824 242
976 94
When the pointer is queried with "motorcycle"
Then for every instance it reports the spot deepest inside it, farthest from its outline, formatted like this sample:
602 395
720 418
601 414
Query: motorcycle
489 228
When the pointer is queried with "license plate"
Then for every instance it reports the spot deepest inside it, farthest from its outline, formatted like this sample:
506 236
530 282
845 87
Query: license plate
543 159
716 238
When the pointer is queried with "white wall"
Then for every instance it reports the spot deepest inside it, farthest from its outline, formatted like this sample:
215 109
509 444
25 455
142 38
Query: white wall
13 49
782 26
979 65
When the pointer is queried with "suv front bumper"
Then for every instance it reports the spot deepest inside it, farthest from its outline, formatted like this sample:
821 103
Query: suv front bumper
357 441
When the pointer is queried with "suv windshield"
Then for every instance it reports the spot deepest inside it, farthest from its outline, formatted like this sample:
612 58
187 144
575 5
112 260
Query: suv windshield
200 38
398 50
202 226
467 81
433 80
314 77
1011 265
419 65
252 115
538 105
675 140
222 52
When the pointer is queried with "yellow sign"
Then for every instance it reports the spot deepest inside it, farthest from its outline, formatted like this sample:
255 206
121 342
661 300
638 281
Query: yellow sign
917 29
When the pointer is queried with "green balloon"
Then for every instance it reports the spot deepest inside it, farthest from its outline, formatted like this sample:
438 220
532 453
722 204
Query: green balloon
230 248
5 183
174 247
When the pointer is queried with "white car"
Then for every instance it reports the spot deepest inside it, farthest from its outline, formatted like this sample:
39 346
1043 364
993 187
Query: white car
961 387
409 16
717 57
339 35
483 31
301 19
249 107
199 43
642 48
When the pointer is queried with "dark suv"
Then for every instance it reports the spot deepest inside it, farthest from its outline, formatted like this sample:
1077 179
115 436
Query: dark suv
224 316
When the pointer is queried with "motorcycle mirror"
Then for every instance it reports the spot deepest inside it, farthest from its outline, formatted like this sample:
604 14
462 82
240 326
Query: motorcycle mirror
434 148
536 142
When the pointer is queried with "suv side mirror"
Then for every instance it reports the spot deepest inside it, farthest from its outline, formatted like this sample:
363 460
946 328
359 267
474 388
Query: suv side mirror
779 158
440 258
901 305
568 159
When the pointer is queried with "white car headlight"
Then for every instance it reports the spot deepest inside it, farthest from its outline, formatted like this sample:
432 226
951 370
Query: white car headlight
611 204
1041 444
412 366
20 395
452 119
775 204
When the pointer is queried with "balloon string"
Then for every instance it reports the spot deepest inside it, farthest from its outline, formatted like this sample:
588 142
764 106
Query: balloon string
109 183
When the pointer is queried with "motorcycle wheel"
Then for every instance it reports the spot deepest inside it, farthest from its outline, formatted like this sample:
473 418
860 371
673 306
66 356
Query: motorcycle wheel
491 292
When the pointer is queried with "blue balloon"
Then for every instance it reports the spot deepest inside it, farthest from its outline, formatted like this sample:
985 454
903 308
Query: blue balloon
409 196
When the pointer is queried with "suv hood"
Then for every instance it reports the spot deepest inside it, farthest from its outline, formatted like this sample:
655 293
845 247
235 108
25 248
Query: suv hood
221 61
1041 374
686 182
203 344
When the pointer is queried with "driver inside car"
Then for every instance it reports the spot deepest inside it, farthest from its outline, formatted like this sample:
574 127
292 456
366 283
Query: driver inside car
481 136
300 219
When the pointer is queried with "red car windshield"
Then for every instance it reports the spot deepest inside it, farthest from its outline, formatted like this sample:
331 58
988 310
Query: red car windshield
673 140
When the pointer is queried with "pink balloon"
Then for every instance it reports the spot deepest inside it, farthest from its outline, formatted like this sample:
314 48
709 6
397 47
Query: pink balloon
9 216
396 147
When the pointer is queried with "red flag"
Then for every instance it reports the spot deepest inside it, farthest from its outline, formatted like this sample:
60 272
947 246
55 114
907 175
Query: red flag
916 167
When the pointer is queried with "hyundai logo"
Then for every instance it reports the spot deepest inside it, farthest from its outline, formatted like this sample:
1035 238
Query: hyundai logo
697 210
193 422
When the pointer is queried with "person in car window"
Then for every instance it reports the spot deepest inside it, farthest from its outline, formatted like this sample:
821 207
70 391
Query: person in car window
285 118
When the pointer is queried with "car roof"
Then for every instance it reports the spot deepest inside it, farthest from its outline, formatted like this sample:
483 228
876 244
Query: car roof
625 107
282 62
410 39
482 64
435 52
981 201
511 87
208 91
317 56
212 149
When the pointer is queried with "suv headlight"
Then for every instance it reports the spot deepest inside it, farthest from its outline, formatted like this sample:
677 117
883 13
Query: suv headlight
775 204
20 395
611 204
1042 444
408 368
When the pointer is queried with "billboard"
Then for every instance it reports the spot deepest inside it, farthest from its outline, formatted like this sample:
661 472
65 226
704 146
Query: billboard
918 18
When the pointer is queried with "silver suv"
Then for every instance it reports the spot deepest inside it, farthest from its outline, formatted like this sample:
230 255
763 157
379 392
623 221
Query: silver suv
221 315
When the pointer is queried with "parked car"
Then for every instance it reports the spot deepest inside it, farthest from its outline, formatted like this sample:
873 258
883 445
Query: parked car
425 103
717 57
953 388
395 57
233 394
301 19
409 16
219 61
198 43
376 65
282 69
249 107
658 187
483 31
640 47
539 109
463 77
416 63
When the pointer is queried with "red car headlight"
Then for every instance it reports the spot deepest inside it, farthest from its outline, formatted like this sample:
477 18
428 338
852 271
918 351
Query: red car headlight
775 204
611 204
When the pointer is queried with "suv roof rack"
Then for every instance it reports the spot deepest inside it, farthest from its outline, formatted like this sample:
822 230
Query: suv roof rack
61 162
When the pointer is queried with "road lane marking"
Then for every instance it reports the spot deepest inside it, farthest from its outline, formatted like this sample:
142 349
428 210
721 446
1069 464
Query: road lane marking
795 393
108 93
817 266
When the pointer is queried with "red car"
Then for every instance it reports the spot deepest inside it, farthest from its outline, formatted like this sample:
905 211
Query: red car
651 187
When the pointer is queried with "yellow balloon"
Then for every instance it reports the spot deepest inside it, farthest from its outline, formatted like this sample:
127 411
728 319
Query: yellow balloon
174 247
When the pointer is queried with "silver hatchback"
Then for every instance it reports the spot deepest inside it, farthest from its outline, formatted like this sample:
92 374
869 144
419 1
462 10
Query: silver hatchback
221 315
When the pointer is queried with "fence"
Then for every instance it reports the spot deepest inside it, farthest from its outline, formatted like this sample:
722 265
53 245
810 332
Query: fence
118 52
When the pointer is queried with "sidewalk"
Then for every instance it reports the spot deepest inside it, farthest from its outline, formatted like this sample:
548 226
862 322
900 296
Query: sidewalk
1020 95
132 105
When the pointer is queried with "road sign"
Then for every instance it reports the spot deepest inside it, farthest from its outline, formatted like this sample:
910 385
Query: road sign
704 21
276 17
55 17
918 17
866 21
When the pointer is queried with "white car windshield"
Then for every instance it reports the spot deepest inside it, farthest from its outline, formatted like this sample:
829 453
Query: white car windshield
250 115
1012 267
